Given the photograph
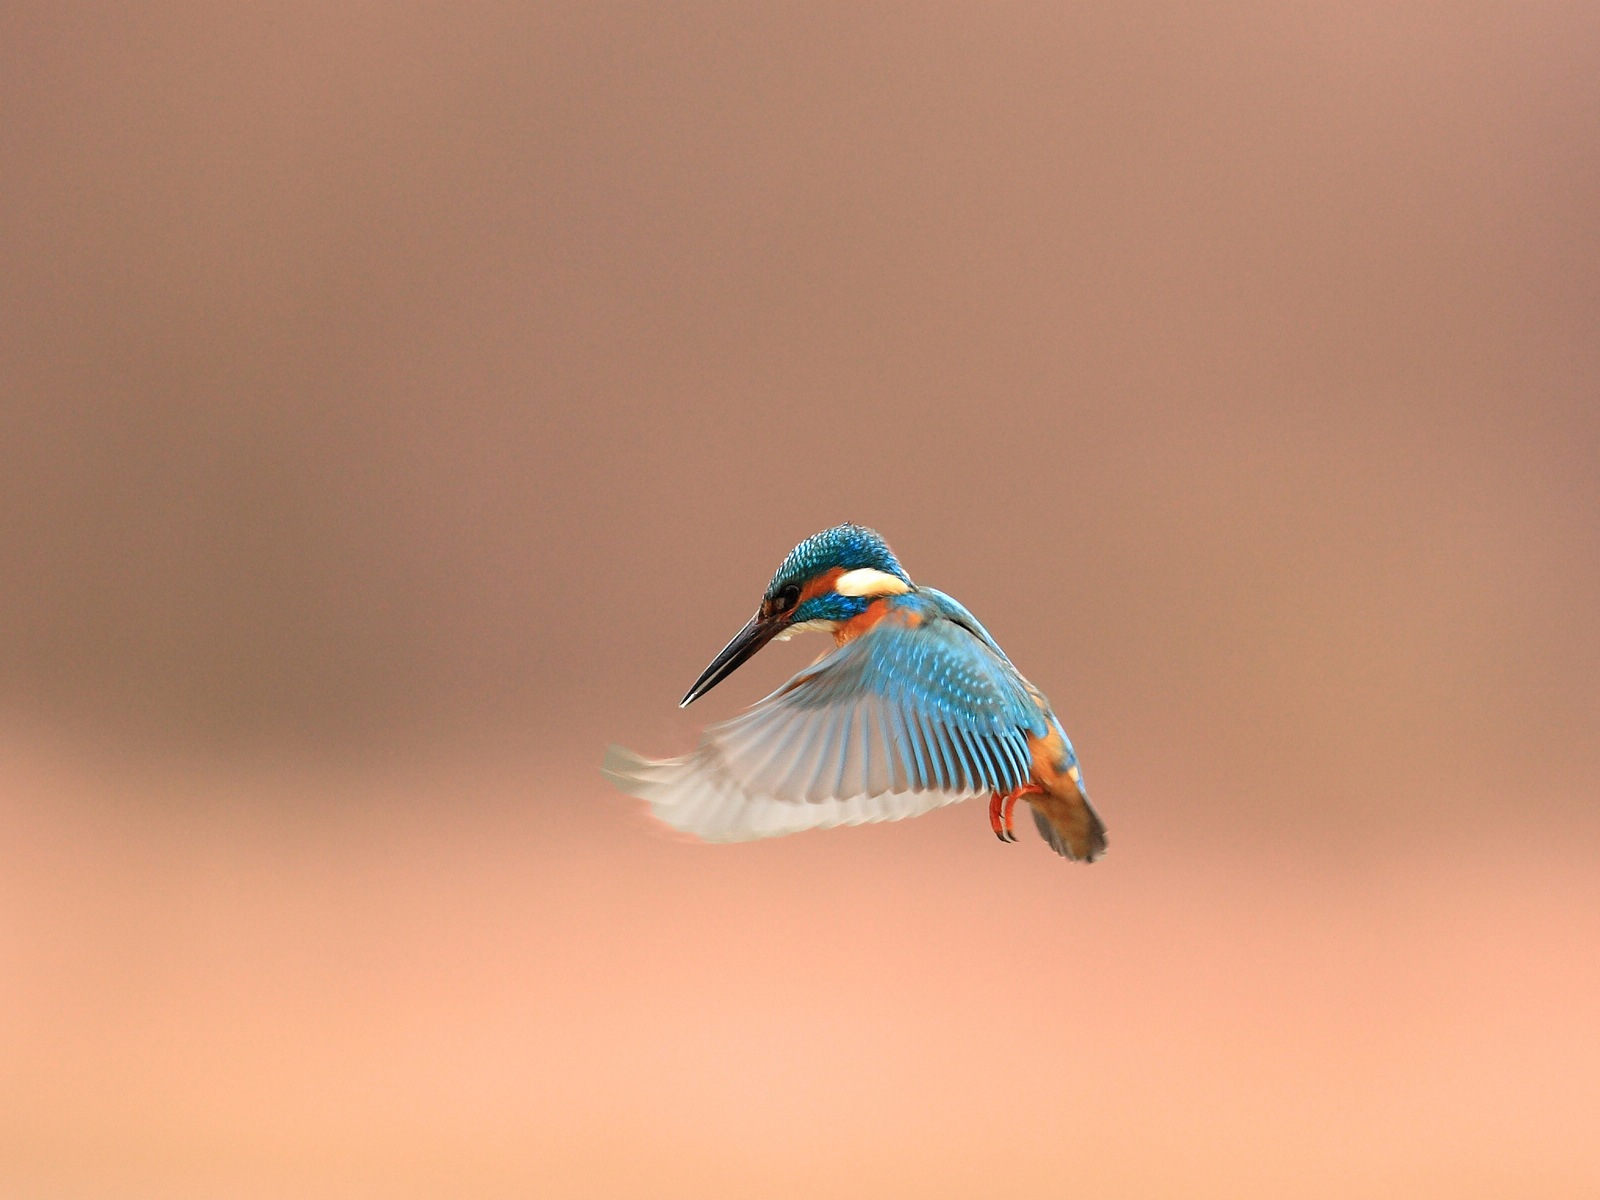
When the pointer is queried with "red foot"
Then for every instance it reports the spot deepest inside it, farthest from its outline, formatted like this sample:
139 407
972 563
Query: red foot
1001 806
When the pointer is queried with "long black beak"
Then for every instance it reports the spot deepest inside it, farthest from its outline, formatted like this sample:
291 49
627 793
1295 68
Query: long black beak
758 631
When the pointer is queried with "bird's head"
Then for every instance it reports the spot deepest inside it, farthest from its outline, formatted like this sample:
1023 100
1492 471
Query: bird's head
828 578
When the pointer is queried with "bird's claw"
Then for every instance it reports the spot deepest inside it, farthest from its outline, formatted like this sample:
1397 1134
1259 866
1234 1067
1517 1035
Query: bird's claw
1001 808
996 822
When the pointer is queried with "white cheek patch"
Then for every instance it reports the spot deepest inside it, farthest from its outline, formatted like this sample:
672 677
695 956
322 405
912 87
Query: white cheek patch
868 581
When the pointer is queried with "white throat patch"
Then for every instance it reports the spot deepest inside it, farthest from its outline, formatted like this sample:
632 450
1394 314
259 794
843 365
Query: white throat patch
868 581
802 627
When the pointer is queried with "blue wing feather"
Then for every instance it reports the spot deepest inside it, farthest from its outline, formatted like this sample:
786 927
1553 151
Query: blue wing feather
904 718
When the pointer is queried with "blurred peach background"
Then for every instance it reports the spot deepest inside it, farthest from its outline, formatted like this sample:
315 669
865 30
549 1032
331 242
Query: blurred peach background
400 402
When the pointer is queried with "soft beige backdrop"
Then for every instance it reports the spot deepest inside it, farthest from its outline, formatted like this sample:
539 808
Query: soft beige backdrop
400 402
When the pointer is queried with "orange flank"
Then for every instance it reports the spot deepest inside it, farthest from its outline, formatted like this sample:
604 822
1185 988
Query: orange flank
1056 793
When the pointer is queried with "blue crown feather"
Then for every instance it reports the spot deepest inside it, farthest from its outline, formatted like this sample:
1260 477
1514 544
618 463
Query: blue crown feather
849 546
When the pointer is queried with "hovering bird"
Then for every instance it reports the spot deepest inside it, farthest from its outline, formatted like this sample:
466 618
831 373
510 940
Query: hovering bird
914 708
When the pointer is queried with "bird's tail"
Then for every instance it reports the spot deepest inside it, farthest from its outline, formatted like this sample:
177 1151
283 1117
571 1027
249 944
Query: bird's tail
1067 820
1061 807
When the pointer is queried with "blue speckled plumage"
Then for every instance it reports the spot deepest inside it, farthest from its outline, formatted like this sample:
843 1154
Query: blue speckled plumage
848 546
916 707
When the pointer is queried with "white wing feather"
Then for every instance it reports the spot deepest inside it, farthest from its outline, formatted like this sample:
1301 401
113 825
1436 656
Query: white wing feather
692 796
895 724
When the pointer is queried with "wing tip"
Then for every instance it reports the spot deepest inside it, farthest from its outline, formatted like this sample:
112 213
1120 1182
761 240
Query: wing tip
619 760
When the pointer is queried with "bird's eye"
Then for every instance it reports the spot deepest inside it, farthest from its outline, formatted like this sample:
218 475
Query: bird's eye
788 596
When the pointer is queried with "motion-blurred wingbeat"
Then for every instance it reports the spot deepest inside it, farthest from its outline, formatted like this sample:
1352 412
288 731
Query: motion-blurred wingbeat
915 707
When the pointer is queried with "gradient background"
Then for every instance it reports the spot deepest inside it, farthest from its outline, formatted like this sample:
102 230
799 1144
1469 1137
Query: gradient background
400 402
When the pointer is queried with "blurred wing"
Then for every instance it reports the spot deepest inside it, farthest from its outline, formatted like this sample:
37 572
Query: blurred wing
899 721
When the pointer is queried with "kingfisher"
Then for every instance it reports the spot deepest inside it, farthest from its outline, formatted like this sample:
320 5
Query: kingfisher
915 707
